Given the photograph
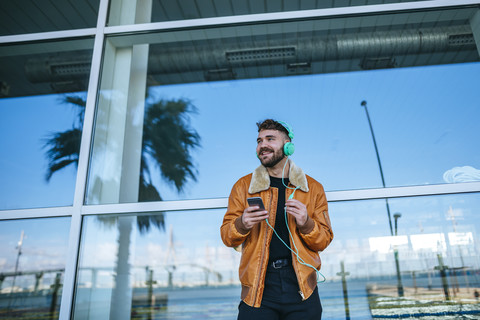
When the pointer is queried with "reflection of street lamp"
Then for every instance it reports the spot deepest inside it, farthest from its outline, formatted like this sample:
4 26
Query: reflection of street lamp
343 274
364 104
19 247
396 216
397 264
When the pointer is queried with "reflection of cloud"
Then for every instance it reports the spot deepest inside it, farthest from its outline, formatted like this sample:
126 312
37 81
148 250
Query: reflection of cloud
460 238
155 255
461 174
385 244
104 255
433 241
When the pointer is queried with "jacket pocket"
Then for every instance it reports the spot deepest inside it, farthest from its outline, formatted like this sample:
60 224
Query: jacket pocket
245 291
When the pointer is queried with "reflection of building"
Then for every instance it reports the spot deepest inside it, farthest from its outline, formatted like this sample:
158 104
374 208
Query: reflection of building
112 51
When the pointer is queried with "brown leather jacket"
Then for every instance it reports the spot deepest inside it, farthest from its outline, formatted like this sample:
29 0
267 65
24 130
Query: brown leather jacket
313 237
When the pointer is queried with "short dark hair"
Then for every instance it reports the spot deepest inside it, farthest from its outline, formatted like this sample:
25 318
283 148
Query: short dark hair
270 124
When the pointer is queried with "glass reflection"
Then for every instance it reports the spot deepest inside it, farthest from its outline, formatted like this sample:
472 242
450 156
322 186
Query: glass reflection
224 84
174 265
120 171
162 266
429 267
162 10
32 17
32 264
41 119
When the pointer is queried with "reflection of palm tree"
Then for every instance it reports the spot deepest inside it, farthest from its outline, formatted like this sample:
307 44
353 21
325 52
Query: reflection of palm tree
63 147
167 142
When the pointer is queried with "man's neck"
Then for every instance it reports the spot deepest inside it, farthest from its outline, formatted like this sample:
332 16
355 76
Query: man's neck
277 171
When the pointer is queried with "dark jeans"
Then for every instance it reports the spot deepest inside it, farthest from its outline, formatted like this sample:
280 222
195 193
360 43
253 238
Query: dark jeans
281 300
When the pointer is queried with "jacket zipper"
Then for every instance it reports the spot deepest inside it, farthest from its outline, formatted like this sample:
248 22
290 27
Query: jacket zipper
294 257
264 247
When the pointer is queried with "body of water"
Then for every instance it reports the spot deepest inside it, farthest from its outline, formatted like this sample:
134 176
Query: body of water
221 303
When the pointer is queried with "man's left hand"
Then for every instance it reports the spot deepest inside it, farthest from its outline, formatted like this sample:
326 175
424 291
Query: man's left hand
298 210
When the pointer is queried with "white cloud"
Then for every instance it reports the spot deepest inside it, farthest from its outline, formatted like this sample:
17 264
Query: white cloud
461 174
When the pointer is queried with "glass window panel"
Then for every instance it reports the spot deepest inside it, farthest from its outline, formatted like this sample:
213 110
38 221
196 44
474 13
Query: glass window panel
32 264
435 248
42 102
171 10
30 16
156 266
171 270
183 112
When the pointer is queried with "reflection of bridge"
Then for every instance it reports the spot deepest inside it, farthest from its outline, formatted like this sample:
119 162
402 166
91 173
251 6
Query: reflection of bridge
149 280
171 263
16 301
38 276
172 267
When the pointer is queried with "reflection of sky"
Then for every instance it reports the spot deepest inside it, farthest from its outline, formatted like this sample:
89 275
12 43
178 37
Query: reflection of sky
25 123
424 220
424 120
196 245
428 225
191 229
44 244
360 227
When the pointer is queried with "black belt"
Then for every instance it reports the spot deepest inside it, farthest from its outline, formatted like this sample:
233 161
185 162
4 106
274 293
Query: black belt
280 263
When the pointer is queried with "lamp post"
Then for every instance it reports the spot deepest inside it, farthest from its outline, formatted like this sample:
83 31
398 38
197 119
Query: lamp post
343 274
19 247
364 104
396 216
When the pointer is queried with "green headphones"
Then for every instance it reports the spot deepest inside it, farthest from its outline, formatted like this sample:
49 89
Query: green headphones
289 147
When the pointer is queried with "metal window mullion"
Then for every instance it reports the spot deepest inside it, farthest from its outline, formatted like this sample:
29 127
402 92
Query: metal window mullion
49 212
219 203
332 196
82 170
402 192
87 131
43 36
290 16
155 206
475 25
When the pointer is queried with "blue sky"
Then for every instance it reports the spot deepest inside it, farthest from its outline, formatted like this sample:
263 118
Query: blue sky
424 121
25 123
423 118
44 244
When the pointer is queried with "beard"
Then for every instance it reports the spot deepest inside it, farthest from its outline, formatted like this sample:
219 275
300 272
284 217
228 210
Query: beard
276 158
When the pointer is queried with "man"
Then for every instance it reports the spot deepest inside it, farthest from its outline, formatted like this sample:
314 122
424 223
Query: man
278 282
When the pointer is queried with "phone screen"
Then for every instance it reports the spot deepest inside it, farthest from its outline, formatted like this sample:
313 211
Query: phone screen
256 201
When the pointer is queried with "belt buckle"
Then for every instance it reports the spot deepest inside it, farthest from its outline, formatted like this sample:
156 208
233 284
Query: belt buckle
279 266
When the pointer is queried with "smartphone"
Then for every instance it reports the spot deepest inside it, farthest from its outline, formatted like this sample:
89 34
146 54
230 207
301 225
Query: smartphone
256 201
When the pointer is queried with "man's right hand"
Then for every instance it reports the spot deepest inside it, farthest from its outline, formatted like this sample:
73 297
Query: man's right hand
252 215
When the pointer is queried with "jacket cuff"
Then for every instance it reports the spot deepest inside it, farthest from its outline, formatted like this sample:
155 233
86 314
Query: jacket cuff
240 226
307 227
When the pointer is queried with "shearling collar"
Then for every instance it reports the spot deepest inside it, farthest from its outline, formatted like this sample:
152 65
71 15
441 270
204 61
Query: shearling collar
261 179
